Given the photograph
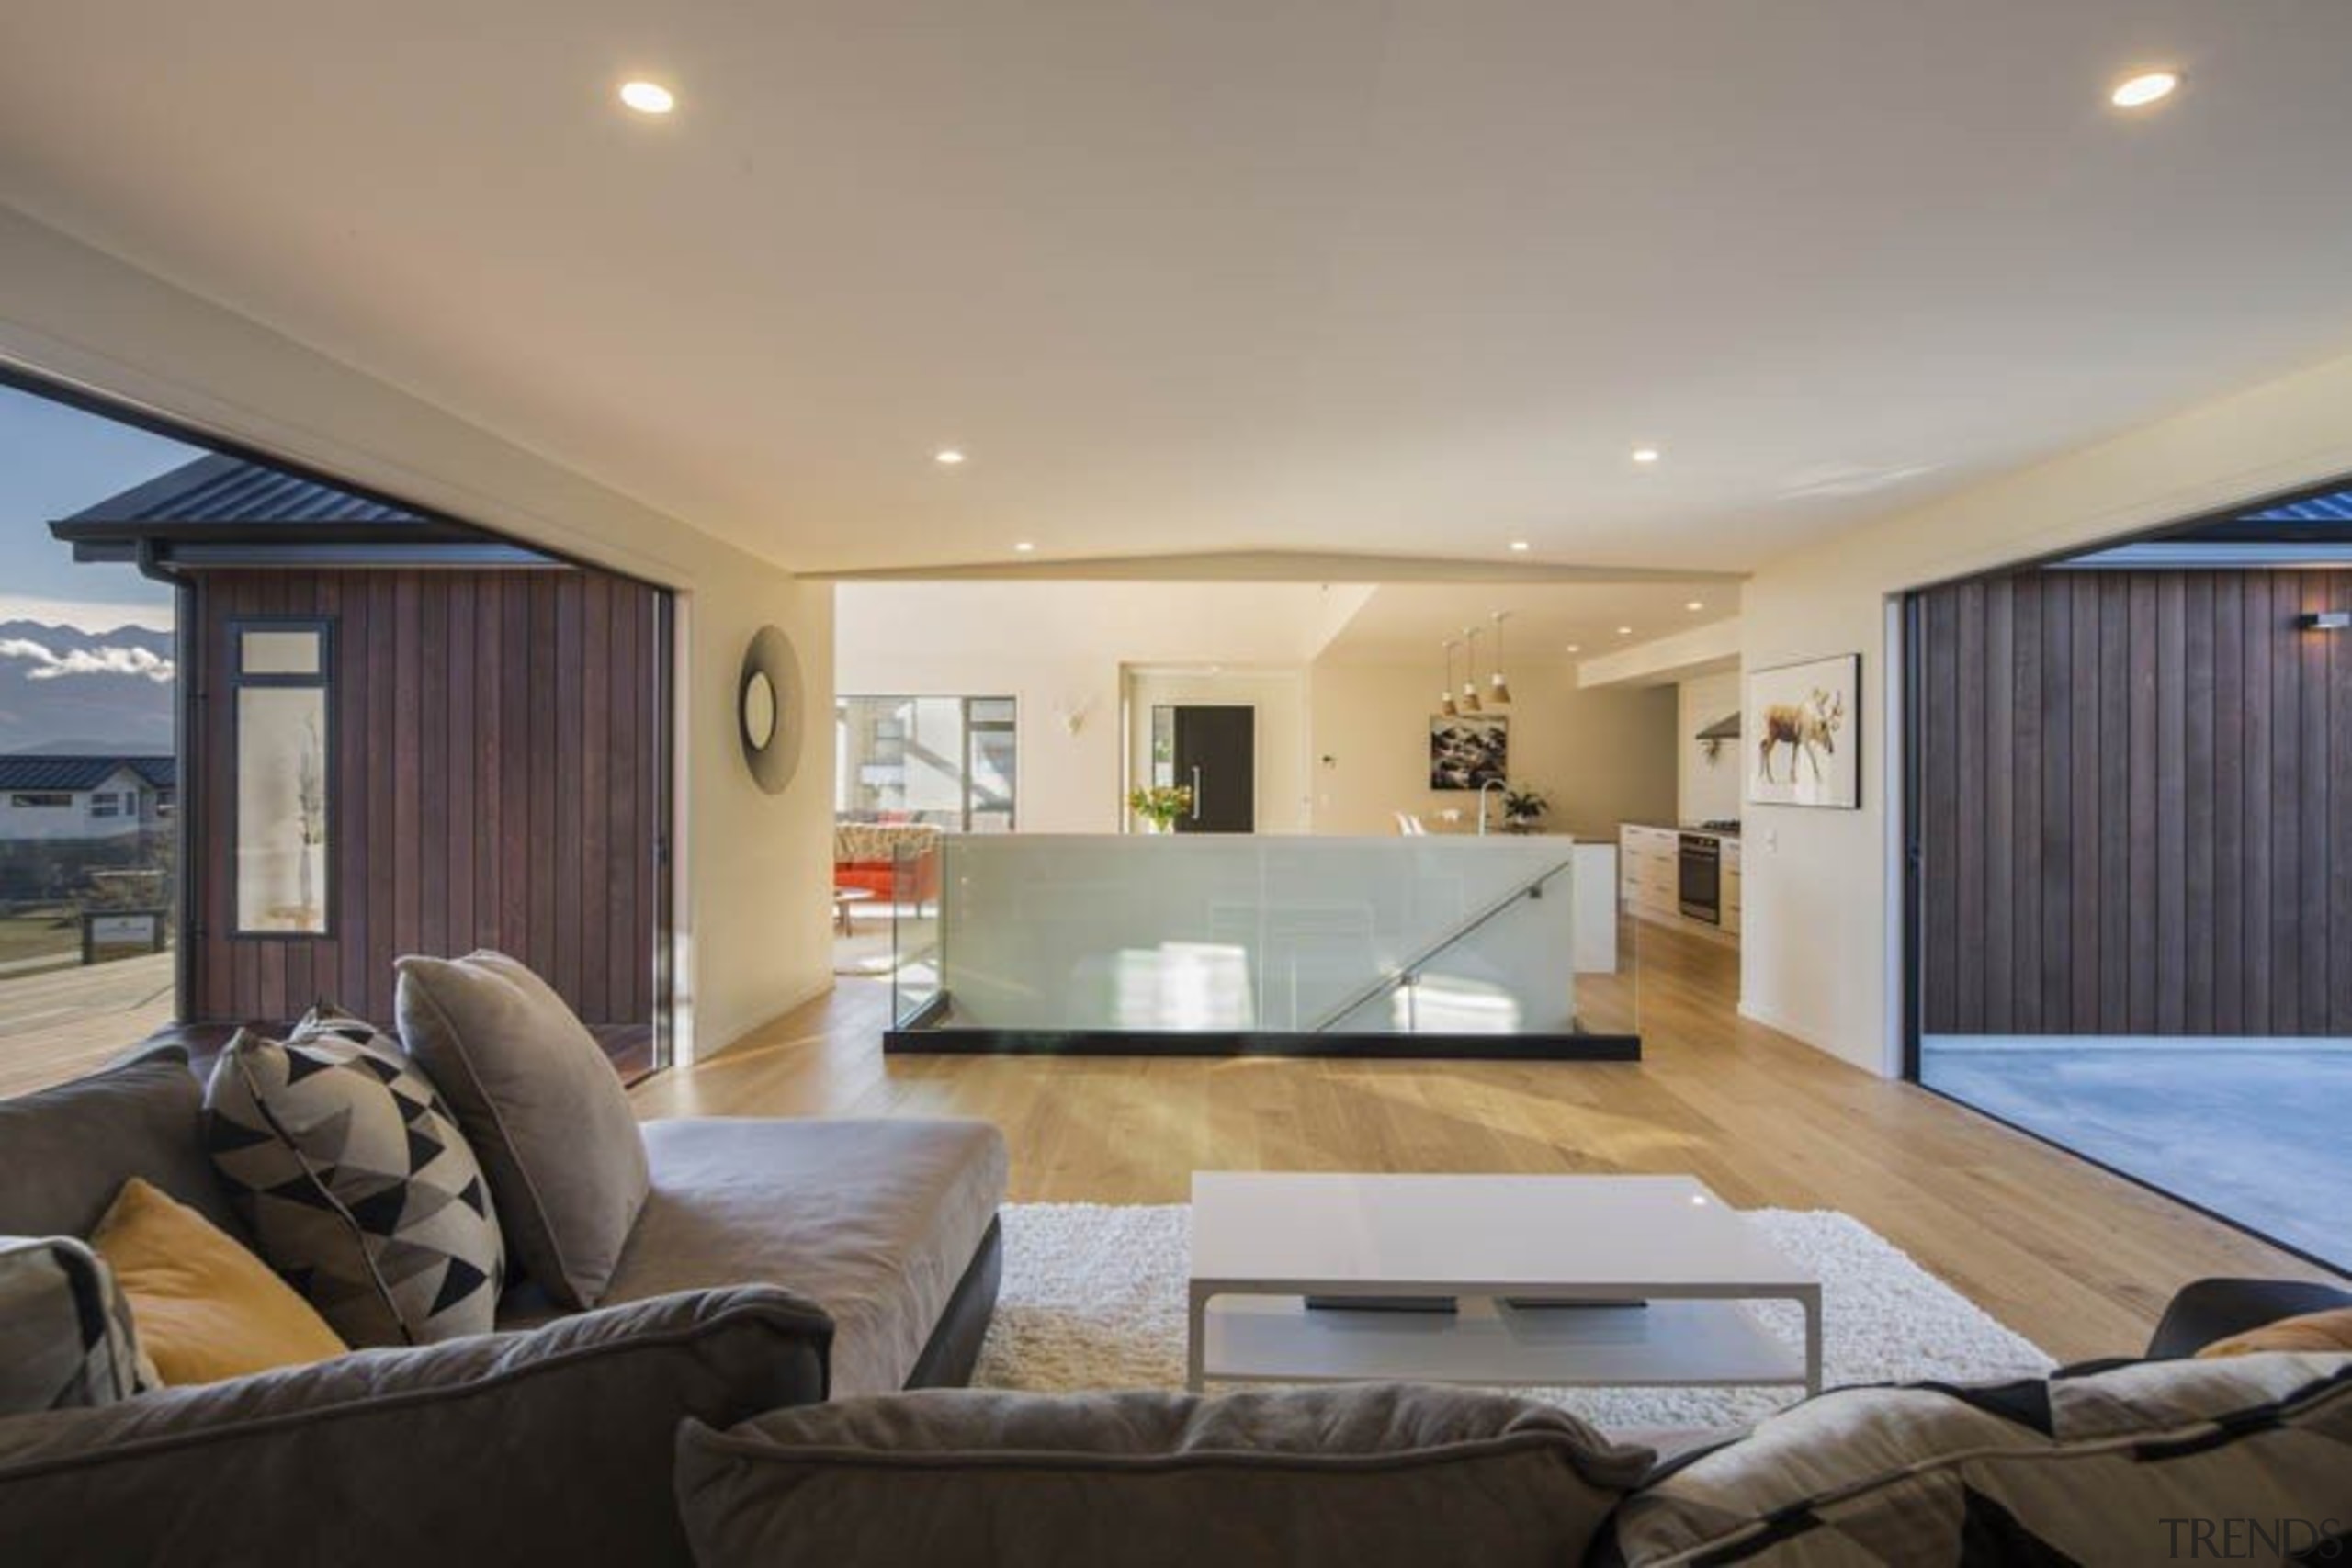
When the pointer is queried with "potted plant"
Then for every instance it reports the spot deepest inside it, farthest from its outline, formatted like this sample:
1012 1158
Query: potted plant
1160 805
1522 808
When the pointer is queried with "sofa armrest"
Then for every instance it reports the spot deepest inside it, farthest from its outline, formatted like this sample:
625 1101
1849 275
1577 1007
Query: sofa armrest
550 1446
2207 1311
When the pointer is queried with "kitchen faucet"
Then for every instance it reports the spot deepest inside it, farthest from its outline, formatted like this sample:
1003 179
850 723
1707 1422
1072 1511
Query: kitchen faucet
1490 784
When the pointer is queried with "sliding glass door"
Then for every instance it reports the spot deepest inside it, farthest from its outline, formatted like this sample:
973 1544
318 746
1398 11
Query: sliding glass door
2131 809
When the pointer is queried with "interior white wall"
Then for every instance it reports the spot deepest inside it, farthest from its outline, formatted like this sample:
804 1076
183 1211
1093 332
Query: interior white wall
1602 757
752 922
1820 943
1073 649
1061 651
1280 800
1706 791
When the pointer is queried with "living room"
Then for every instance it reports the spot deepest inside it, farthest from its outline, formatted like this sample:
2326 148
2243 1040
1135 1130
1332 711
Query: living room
1340 368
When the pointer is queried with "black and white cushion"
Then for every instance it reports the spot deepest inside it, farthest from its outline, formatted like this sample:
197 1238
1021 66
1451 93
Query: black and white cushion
2120 1465
66 1338
357 1185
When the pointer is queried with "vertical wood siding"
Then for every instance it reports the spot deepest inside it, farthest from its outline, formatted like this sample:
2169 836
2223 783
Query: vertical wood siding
498 783
2135 805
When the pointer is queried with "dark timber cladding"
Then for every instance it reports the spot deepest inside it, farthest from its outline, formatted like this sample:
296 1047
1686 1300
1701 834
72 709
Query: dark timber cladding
2135 805
497 783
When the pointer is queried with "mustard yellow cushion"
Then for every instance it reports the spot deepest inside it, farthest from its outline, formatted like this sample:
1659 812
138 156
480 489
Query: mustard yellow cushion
204 1307
2321 1331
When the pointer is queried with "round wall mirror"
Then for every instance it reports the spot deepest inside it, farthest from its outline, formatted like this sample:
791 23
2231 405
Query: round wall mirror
768 709
759 710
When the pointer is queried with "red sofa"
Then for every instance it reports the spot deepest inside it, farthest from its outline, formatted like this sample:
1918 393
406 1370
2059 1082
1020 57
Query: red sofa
896 862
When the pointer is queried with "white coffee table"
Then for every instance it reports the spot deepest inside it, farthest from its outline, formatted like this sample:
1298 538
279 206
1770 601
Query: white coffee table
1674 1258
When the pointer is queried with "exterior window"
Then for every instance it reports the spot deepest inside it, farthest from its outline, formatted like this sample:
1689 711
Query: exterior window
263 651
949 762
285 784
42 799
105 803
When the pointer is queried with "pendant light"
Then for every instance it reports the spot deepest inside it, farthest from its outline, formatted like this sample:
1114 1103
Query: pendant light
1470 703
1445 692
1498 690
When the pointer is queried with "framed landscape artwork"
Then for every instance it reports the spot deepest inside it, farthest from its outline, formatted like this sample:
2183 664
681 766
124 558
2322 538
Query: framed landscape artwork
1468 751
1805 727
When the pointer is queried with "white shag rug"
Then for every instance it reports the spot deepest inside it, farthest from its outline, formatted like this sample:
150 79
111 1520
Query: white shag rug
1093 1297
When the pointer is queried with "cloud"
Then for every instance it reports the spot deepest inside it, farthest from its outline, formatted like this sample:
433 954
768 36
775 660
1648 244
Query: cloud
49 665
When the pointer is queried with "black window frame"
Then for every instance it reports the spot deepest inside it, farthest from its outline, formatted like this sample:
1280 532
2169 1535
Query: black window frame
967 727
321 680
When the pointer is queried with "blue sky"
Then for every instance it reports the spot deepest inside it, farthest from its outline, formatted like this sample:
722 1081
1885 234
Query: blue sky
54 460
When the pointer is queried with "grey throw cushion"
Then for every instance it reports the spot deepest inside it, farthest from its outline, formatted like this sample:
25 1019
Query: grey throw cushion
65 1151
2113 1466
510 1449
543 1108
356 1182
65 1333
1303 1478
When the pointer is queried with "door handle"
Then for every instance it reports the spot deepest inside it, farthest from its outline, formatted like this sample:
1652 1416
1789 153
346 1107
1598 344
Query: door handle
1196 794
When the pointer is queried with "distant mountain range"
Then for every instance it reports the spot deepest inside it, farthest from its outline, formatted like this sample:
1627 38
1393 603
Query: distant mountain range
66 690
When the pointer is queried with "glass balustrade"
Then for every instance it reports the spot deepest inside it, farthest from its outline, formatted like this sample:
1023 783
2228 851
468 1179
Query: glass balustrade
1256 939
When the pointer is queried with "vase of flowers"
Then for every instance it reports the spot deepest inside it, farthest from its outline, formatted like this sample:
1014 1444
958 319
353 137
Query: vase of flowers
1160 805
1522 809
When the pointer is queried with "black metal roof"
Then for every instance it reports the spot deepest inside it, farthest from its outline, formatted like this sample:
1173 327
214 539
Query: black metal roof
222 509
220 489
2336 508
38 772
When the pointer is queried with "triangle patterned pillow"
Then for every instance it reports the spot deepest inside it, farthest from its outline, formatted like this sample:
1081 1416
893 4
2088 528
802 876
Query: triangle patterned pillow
357 1185
66 1337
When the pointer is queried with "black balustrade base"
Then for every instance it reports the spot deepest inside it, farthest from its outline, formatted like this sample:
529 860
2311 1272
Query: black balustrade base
927 1034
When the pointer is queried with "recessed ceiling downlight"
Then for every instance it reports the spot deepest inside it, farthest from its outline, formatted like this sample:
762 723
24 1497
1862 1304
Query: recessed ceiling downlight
948 456
1646 454
2147 87
1023 547
649 97
1520 547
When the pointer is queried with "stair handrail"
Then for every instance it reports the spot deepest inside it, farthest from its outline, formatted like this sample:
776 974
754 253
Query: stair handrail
1406 972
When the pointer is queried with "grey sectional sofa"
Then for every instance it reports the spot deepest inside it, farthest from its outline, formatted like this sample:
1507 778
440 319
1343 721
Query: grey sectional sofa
778 1264
775 1263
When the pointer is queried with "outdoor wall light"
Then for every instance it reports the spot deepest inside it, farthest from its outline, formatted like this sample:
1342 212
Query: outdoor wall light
2325 620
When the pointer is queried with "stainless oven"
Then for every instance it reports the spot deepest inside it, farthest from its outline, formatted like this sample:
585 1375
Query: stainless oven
1700 883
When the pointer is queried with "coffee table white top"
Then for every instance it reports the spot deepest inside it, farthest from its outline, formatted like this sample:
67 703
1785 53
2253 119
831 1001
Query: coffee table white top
1480 1235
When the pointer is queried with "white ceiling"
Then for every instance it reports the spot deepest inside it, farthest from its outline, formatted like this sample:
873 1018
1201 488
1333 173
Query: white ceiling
1229 276
1408 623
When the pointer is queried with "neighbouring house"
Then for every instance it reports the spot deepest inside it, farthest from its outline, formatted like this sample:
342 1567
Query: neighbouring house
66 819
61 798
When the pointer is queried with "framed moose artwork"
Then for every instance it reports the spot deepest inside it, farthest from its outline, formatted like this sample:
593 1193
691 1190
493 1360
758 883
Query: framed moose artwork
1804 731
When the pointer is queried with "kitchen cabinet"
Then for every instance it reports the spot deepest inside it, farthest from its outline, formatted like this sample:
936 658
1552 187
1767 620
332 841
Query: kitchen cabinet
1731 900
1649 884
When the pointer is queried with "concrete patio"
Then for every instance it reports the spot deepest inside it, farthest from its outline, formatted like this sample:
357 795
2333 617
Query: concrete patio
2252 1130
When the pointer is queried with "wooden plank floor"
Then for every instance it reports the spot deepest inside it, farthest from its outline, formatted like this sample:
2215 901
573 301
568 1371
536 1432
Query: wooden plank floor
2076 1260
64 1022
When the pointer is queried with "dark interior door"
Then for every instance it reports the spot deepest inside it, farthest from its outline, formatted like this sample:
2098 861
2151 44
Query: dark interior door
1216 754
